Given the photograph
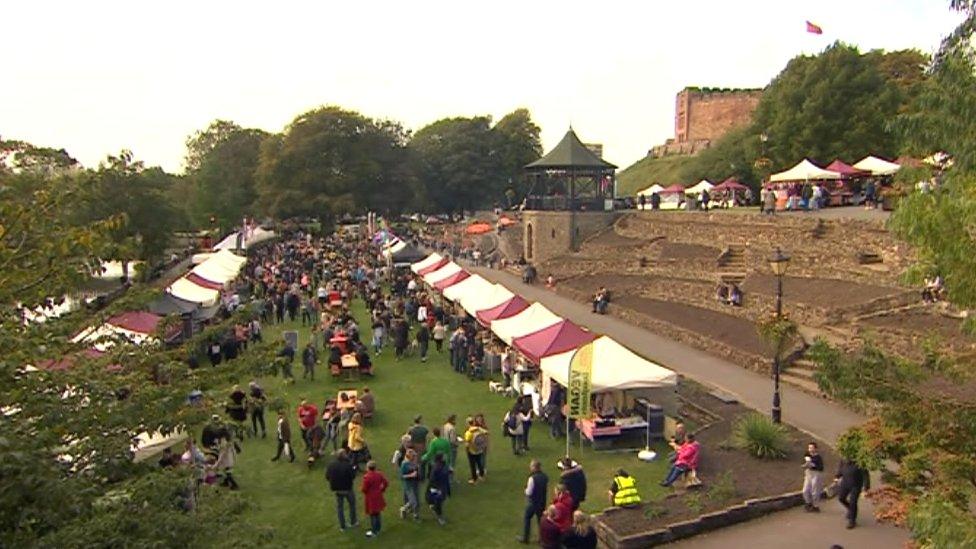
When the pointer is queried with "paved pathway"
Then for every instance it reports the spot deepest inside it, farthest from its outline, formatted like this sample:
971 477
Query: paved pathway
822 419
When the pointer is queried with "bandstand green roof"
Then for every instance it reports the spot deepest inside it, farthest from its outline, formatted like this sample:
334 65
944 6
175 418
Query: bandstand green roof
570 153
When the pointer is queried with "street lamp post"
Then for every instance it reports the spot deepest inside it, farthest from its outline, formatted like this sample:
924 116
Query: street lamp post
778 263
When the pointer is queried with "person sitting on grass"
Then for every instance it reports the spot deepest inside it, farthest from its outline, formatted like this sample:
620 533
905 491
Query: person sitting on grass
686 459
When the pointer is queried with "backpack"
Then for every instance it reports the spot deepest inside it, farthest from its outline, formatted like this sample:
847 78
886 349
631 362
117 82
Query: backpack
480 441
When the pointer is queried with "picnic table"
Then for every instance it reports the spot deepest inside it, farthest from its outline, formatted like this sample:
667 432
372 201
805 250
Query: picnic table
350 367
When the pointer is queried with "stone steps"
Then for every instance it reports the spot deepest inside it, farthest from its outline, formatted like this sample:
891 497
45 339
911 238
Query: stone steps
802 382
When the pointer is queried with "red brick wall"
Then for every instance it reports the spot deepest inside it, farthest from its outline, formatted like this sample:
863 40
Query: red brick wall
705 116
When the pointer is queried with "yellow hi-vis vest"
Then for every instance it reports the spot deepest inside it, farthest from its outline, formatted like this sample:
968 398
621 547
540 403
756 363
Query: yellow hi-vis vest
626 492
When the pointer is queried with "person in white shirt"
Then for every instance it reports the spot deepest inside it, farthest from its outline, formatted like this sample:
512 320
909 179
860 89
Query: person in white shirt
412 285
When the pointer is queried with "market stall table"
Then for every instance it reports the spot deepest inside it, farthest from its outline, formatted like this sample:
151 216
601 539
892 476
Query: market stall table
605 434
350 367
350 402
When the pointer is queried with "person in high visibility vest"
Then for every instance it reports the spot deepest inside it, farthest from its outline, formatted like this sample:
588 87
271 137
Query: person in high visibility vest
623 491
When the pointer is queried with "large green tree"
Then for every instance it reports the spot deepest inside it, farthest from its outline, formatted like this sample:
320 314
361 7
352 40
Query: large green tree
221 162
331 161
68 476
123 186
517 138
460 164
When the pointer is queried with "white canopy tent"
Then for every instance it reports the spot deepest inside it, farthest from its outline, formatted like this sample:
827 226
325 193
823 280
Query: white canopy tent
442 273
188 291
472 303
255 235
877 166
145 445
393 247
473 285
655 188
113 269
536 317
703 185
105 336
431 259
805 171
221 267
615 368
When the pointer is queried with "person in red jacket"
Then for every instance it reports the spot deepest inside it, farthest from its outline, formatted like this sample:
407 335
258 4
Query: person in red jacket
563 502
374 484
550 536
307 416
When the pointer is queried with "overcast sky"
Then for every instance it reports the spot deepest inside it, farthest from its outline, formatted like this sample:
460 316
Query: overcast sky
96 77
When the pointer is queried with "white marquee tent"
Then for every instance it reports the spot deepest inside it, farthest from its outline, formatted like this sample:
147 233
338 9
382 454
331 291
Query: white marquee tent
877 166
451 268
188 291
536 317
431 259
615 368
703 185
487 299
655 188
255 235
473 285
221 267
805 171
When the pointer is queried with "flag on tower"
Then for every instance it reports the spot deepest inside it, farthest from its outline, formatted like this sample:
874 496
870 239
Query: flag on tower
814 29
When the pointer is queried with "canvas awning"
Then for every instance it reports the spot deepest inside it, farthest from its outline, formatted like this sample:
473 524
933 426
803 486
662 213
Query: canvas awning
104 337
655 188
449 281
253 236
431 259
188 291
167 304
615 368
136 321
220 268
559 338
507 309
431 268
672 189
697 188
473 285
485 299
442 273
804 171
532 319
877 166
845 169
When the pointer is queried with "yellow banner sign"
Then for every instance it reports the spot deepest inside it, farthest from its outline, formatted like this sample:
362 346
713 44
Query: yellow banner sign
580 375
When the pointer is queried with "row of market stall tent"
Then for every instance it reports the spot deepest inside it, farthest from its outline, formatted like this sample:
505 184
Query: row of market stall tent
672 196
543 337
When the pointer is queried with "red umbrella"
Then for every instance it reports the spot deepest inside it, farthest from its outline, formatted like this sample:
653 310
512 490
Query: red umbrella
505 221
478 228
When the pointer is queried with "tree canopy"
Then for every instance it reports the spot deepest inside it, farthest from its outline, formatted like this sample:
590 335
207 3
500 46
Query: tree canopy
330 161
221 163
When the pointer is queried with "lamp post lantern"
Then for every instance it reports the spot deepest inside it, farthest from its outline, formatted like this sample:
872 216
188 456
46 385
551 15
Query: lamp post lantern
778 263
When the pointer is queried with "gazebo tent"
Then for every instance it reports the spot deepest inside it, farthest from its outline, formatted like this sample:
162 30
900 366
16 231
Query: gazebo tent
655 188
424 271
407 255
703 185
431 259
253 237
804 171
473 285
200 281
615 368
167 304
846 170
877 166
136 321
671 197
558 338
730 184
449 281
508 309
220 268
442 273
533 319
474 302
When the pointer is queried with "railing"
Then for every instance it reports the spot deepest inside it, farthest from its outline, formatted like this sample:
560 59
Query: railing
562 203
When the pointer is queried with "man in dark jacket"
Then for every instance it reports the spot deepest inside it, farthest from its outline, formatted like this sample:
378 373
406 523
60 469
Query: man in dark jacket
536 491
853 479
284 437
574 478
341 474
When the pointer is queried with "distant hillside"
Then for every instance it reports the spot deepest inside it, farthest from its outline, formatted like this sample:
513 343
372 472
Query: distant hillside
648 171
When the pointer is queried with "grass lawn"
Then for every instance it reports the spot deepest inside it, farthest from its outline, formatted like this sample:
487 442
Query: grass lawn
297 501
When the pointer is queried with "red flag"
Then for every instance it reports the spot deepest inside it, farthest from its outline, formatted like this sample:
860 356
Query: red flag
811 28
